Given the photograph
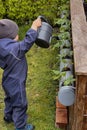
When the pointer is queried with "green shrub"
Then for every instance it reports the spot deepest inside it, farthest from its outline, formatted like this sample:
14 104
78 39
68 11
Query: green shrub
18 10
2 9
24 11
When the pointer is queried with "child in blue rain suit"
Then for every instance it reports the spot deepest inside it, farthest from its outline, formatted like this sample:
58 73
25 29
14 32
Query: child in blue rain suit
14 64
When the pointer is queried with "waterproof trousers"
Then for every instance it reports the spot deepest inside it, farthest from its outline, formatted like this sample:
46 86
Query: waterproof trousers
16 104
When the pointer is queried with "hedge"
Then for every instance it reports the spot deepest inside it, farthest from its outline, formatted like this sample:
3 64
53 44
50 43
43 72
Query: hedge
26 10
2 9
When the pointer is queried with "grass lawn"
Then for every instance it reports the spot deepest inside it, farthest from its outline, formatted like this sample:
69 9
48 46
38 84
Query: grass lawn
41 89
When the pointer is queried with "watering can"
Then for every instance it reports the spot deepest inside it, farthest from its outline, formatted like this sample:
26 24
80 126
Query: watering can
66 95
44 33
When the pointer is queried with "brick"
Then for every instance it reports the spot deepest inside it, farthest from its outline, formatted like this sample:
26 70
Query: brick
59 105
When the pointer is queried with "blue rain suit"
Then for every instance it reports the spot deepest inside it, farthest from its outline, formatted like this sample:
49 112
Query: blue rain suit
14 64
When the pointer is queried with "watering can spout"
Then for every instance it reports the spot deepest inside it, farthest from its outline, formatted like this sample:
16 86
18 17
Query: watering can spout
44 33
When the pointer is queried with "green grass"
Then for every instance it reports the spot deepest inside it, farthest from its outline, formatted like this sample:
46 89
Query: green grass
41 89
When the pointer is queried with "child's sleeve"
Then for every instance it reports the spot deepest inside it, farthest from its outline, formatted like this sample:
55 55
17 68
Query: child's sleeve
20 48
28 41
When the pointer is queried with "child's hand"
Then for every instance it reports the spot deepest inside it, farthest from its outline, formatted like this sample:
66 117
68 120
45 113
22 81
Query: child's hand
36 23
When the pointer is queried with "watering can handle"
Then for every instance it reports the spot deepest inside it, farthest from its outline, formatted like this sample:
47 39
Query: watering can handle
43 19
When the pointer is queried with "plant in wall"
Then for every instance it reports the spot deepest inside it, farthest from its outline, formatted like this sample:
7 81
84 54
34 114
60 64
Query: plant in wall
64 14
57 74
64 28
69 81
62 21
62 44
67 65
64 77
64 35
65 74
66 94
65 44
66 53
64 8
65 5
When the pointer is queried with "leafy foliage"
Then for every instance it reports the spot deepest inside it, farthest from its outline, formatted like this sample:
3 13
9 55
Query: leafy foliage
24 11
64 43
57 74
69 81
2 9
